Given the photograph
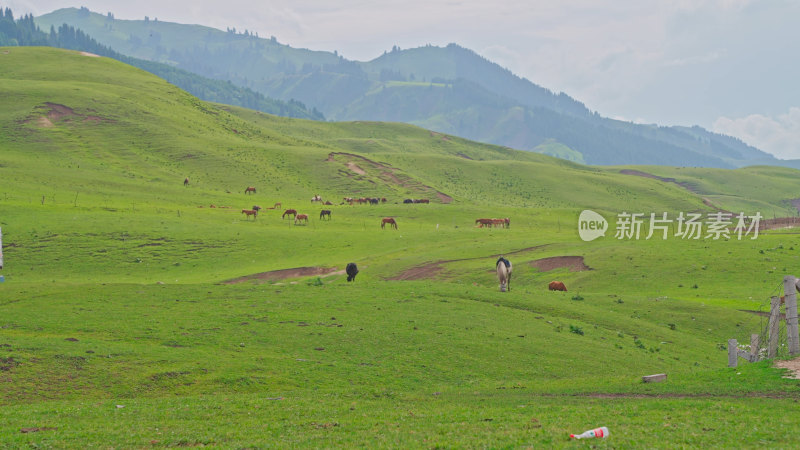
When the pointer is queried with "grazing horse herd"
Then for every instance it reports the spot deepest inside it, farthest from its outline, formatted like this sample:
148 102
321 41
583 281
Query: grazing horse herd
493 223
503 265
326 213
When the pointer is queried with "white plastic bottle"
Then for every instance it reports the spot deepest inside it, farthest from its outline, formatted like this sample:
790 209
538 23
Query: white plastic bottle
601 432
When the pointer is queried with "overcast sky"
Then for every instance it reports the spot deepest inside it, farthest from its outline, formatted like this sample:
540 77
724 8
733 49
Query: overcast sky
731 66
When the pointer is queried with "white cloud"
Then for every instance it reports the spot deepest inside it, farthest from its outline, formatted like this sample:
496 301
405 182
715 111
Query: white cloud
777 135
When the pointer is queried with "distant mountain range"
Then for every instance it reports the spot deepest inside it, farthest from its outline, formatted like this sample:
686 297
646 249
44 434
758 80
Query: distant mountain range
450 90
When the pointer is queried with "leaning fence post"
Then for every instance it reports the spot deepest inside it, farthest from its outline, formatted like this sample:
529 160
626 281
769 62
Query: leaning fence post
733 352
755 342
790 295
774 324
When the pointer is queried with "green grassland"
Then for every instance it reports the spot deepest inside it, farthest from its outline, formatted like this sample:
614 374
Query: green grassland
118 327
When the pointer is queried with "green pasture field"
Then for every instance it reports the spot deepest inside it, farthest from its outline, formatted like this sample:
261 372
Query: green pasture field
127 318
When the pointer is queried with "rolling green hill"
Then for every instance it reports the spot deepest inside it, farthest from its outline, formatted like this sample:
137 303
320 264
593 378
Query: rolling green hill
24 32
450 90
134 314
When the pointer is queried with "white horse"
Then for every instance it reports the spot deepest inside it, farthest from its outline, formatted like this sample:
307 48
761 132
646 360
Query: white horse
504 274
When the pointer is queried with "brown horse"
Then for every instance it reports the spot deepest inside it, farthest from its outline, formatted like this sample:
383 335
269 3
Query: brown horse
301 217
481 222
250 189
289 212
324 213
390 221
557 286
185 181
250 212
277 205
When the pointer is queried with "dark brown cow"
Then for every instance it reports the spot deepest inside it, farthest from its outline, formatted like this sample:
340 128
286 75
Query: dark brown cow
390 221
557 286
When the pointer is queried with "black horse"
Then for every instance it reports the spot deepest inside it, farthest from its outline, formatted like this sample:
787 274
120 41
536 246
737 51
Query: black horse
352 271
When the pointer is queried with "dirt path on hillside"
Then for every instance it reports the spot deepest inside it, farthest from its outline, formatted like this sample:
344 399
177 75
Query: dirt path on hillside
432 269
282 274
387 174
573 263
639 173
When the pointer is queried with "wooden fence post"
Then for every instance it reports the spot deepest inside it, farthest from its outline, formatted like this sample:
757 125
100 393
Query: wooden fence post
755 342
733 352
790 296
774 324
1 248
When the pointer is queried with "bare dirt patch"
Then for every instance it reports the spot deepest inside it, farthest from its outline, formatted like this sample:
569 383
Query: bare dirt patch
283 274
793 365
44 122
58 111
352 166
90 54
573 263
54 112
444 198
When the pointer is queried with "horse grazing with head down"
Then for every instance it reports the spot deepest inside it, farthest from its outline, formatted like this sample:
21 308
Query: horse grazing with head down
504 274
390 220
250 189
289 212
557 286
301 218
481 222
325 213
